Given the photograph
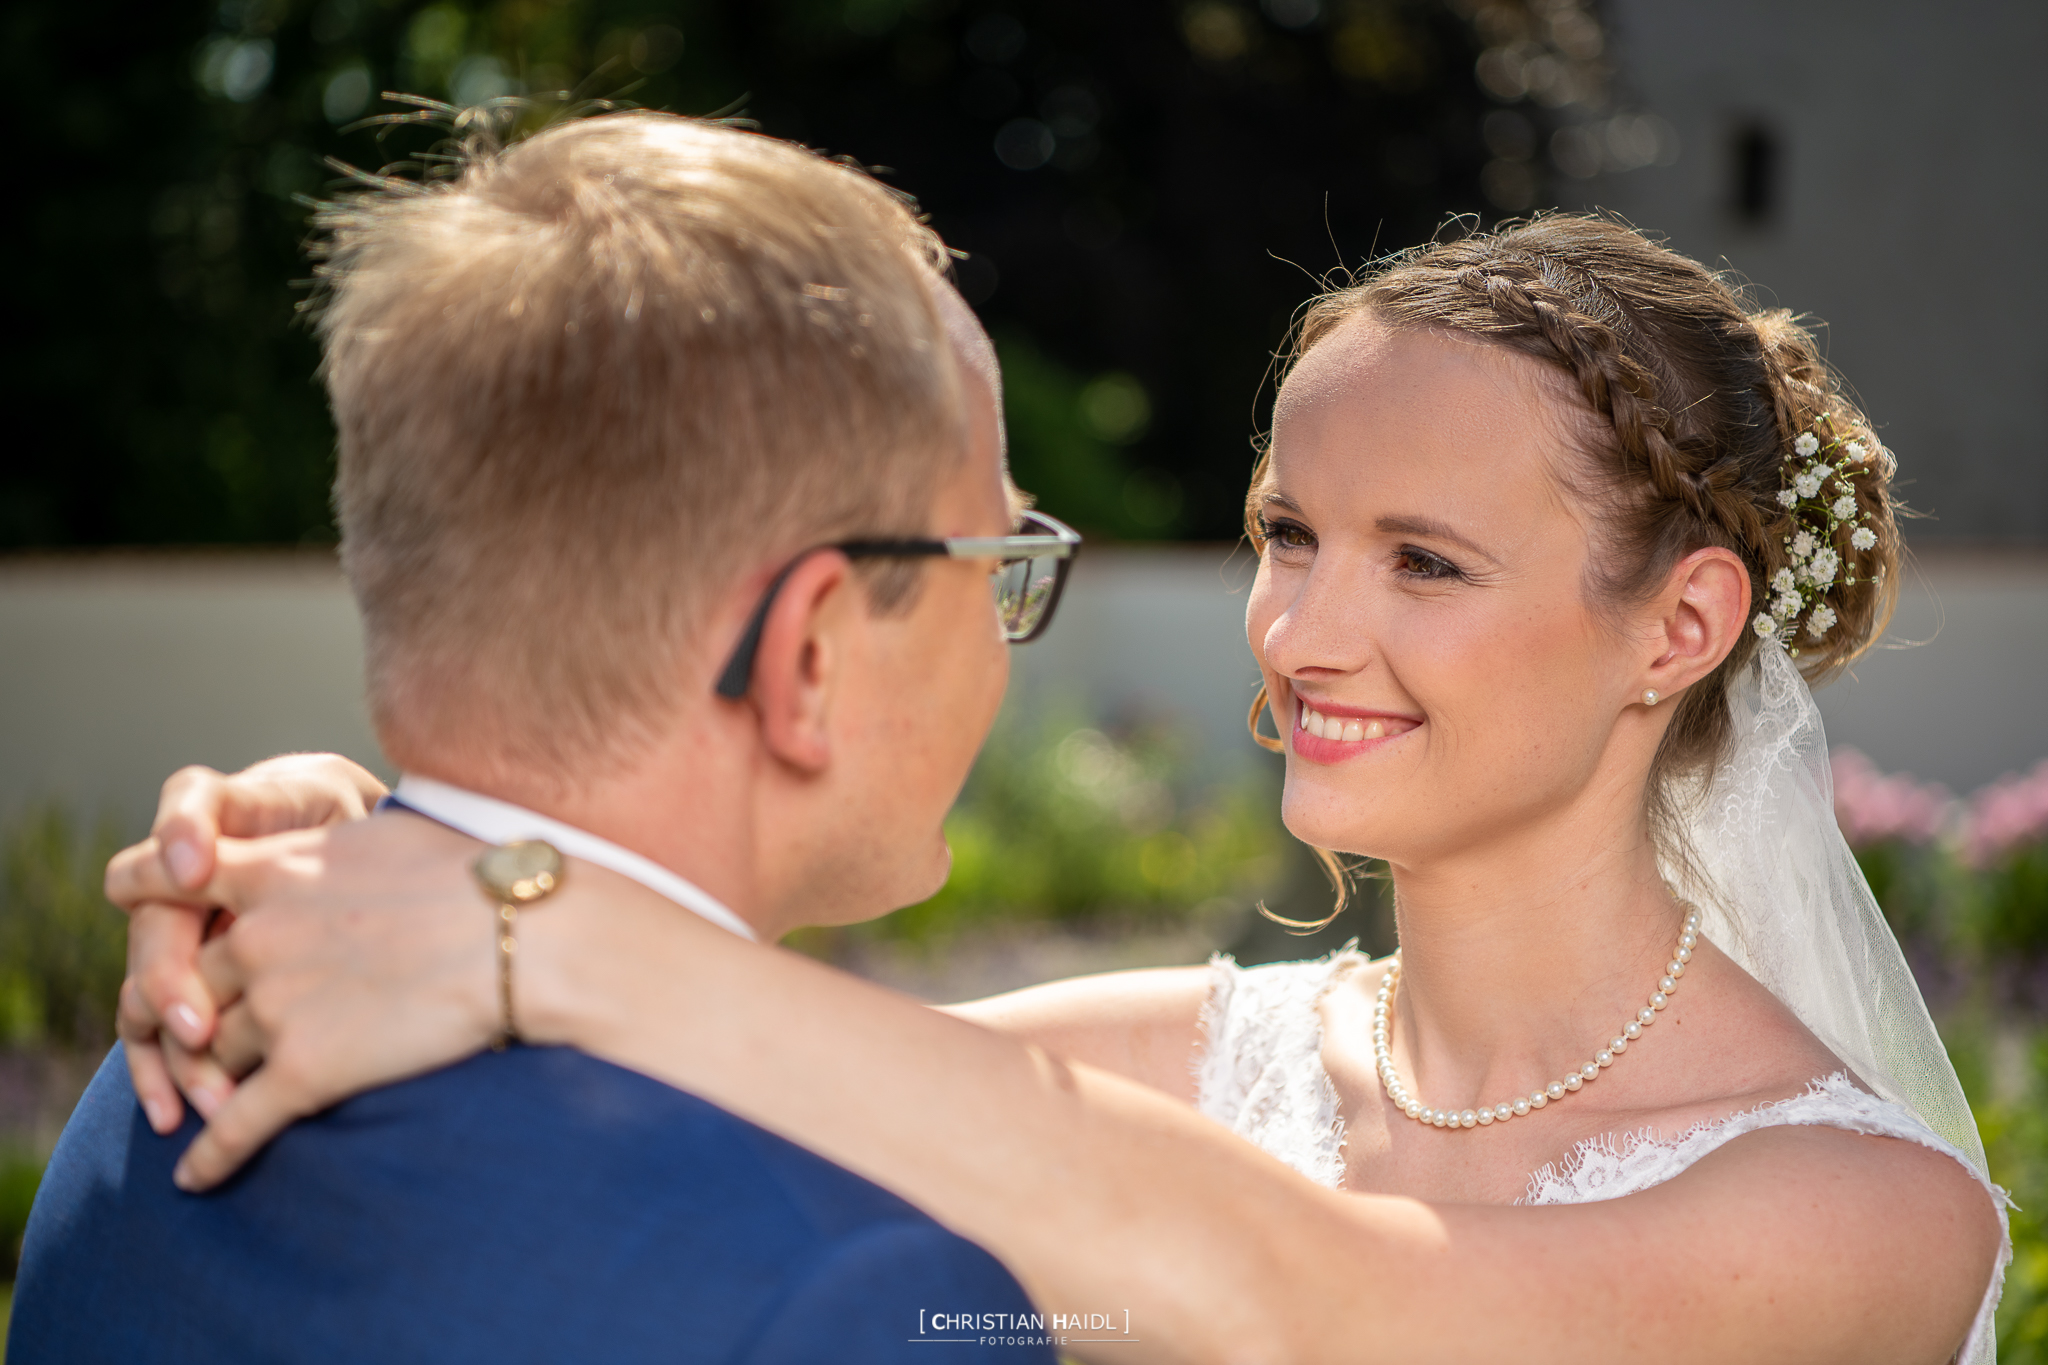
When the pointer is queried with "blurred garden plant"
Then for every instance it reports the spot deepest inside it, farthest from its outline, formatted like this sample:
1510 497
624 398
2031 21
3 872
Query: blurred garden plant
1970 881
20 1173
1894 824
63 948
2015 1130
63 951
2005 844
1063 823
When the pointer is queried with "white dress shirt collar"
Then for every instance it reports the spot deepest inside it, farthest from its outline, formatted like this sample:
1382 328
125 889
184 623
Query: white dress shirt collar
498 822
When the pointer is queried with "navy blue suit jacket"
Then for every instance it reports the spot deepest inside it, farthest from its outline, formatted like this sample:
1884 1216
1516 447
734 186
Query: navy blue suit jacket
534 1205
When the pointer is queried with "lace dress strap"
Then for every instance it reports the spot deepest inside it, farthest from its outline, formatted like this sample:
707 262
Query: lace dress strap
1260 1072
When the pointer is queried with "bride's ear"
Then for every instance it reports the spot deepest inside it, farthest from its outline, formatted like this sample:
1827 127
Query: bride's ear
1698 618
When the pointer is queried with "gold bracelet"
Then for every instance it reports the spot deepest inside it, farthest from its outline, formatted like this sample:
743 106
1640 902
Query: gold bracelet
514 875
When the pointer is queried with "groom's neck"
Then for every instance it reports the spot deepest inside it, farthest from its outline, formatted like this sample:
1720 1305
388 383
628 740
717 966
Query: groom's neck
682 803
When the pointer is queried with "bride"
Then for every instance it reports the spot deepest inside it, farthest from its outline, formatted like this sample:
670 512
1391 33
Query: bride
1550 527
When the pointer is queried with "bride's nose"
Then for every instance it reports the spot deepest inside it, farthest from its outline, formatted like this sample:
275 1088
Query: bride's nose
1325 630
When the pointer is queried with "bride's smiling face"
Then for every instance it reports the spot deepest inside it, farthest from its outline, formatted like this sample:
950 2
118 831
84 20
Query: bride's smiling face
1420 611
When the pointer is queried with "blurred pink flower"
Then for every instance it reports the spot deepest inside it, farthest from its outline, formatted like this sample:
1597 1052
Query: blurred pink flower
1871 807
2006 815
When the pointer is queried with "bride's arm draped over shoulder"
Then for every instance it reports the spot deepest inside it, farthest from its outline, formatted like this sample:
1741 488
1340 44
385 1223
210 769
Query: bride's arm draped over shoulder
1144 1025
1098 1192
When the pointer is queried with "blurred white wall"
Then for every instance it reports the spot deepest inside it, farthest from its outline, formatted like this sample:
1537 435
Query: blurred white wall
115 670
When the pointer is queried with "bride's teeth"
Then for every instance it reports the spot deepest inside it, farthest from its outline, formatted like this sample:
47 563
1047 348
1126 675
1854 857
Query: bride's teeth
1337 728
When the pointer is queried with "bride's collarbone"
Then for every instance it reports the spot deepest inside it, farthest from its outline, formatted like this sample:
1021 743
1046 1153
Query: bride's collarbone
1716 1052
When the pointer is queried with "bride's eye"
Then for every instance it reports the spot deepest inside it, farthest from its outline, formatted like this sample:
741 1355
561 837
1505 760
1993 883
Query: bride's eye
1286 540
1413 562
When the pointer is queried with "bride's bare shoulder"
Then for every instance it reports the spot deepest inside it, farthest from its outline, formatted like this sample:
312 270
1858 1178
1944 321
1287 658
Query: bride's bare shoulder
1875 1224
1729 1044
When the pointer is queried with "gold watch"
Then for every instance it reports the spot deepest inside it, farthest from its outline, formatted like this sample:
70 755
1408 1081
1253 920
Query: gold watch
514 876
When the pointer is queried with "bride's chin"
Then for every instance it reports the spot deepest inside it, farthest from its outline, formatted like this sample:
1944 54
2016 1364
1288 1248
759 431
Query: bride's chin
1337 827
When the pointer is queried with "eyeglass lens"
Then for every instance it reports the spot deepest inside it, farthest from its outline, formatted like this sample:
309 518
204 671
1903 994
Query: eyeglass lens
1023 589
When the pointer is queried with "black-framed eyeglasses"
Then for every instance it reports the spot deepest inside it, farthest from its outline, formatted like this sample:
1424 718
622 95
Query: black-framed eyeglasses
1027 585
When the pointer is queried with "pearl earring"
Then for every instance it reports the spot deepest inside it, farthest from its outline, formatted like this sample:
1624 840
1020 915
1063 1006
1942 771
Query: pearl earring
1650 697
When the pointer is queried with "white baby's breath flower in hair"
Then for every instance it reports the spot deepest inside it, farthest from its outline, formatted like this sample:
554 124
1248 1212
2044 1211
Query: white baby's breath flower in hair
1821 471
1806 444
1787 606
1821 622
1782 581
1764 625
1802 545
1856 451
1807 484
1863 538
1825 562
1786 497
1845 507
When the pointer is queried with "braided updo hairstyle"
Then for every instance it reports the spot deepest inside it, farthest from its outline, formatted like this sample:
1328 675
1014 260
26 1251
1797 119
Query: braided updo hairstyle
1696 401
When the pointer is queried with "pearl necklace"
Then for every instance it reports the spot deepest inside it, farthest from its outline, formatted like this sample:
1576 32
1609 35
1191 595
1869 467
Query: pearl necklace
1522 1105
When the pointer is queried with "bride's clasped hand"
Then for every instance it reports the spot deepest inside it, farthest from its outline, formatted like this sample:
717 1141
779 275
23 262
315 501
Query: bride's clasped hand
1553 530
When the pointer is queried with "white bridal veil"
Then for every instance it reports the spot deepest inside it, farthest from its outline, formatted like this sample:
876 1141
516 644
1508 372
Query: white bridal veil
1785 899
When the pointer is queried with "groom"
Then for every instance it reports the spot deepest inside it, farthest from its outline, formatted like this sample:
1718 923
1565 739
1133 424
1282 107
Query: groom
606 402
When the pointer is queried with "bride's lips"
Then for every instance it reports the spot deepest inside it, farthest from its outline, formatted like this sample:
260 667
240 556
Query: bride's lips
1324 732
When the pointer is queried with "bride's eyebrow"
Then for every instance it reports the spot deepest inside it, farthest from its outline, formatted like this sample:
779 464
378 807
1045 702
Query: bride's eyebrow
1429 528
1279 501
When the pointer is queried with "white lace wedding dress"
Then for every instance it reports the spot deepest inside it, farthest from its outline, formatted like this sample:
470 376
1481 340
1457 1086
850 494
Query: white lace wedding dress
1261 1075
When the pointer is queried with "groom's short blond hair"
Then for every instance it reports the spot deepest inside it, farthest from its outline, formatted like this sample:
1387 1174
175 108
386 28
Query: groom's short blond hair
586 383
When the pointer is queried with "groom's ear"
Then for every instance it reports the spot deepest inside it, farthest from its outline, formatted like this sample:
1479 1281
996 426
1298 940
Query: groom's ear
801 662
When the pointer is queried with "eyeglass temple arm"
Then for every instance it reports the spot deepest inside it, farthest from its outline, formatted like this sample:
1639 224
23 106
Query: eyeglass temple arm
739 669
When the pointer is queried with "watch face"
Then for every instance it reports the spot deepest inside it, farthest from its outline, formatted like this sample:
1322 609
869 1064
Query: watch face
520 872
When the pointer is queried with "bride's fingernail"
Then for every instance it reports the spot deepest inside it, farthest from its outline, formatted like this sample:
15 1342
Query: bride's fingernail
186 1025
182 1177
159 1115
204 1100
184 864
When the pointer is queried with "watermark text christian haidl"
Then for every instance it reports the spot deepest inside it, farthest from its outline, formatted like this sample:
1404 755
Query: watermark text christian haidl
1054 1329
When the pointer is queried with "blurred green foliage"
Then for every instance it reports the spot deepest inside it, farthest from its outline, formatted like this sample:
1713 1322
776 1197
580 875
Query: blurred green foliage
63 948
20 1174
2012 902
2009 1096
1068 435
1063 823
1984 919
1134 184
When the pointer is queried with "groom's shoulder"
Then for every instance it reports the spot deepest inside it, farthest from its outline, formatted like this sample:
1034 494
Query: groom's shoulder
537 1204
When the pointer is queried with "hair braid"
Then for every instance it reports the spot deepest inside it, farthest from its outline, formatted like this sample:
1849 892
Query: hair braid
1616 386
